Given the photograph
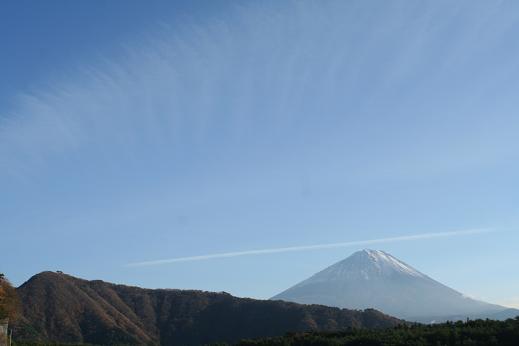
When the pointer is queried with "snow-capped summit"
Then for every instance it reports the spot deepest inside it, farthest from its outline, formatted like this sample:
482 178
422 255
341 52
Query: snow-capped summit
384 262
376 279
364 265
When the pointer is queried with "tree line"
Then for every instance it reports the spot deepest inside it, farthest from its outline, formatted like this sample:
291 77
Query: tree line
469 333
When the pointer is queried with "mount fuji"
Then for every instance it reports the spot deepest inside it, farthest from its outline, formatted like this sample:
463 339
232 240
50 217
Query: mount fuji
375 279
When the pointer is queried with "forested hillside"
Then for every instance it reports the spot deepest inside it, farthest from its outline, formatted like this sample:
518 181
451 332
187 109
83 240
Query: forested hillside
63 309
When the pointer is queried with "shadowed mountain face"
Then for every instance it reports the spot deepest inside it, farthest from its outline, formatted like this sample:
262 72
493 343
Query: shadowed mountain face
62 308
375 279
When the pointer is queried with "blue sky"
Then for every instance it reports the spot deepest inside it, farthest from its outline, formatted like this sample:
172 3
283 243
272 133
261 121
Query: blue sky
141 131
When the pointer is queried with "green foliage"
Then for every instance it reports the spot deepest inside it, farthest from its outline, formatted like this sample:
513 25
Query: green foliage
470 333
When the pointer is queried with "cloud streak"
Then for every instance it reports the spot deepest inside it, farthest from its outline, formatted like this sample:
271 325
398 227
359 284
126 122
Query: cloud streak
420 236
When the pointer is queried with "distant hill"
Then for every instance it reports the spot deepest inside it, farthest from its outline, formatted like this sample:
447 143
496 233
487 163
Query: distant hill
375 279
61 308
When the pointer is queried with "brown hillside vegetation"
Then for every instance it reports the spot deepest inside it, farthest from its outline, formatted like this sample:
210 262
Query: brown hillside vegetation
9 306
62 308
9 303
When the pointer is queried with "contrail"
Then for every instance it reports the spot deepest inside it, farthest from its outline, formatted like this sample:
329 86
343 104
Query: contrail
313 247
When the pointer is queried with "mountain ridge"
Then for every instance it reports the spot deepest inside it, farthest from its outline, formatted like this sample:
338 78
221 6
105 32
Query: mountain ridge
61 308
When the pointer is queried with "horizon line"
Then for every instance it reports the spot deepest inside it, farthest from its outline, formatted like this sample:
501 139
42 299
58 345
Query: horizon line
312 247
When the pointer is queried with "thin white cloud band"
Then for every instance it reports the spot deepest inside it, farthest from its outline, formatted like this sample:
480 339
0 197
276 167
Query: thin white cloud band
313 247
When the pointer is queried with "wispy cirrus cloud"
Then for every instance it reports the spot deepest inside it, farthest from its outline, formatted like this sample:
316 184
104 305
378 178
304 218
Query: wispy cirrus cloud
257 78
